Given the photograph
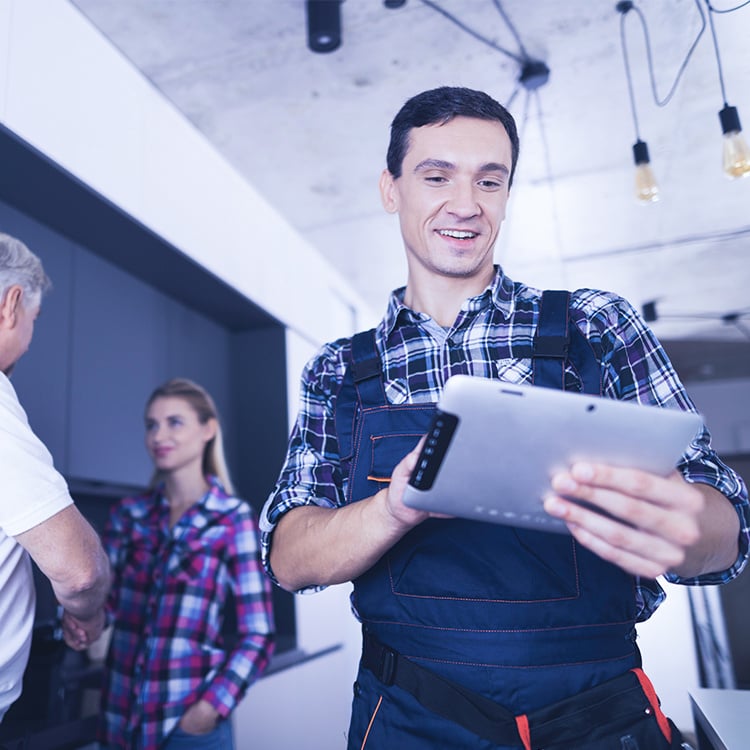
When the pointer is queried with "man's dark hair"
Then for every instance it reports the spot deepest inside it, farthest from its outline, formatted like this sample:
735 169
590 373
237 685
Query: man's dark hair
441 105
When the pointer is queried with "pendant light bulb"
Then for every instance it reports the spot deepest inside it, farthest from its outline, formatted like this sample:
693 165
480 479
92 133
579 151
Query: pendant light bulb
646 189
736 155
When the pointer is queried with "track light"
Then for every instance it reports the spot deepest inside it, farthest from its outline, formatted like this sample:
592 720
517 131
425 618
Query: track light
323 25
649 311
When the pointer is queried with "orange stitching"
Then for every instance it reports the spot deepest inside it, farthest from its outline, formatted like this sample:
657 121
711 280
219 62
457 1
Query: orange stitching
372 719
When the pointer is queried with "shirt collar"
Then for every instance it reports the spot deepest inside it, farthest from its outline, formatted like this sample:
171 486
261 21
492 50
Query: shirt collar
500 293
215 490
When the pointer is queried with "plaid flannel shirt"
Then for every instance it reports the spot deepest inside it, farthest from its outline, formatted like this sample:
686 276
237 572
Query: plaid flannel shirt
171 591
492 337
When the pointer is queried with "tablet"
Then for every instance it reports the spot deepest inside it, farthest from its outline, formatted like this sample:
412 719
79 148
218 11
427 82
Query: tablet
493 447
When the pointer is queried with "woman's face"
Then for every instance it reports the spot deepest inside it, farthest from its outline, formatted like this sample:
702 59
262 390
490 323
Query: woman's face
175 437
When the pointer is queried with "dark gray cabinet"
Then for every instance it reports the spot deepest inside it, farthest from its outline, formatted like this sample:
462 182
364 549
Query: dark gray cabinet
118 352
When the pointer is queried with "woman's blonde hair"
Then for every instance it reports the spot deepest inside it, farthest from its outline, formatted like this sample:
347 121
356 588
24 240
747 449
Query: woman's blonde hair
201 402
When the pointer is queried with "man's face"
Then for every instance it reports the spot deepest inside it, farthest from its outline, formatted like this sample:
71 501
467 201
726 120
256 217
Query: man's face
451 197
18 338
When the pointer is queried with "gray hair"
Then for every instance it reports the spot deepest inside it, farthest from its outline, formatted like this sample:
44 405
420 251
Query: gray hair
18 265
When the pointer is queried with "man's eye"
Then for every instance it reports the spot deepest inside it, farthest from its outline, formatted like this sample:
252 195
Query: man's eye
490 184
435 178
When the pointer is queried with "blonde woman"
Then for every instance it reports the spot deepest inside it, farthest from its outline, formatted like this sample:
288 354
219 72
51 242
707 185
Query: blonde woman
183 555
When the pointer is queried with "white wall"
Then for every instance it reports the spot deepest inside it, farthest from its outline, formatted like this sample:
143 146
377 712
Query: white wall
68 92
666 640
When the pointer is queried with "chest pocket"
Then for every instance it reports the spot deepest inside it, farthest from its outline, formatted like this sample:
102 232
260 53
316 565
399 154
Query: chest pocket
386 435
382 450
195 562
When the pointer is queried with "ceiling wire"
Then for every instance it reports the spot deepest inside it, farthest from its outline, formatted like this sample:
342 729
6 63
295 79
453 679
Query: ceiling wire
660 245
512 28
548 170
649 55
727 10
731 318
461 25
512 97
718 58
628 76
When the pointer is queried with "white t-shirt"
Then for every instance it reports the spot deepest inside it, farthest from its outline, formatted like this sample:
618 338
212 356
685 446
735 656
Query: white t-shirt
31 491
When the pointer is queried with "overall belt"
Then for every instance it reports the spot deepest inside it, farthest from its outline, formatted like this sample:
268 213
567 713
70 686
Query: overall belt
630 694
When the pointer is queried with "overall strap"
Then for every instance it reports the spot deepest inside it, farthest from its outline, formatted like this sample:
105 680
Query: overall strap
558 340
551 341
367 370
362 386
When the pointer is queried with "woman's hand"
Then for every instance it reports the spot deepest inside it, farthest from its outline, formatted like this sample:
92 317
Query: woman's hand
80 634
200 718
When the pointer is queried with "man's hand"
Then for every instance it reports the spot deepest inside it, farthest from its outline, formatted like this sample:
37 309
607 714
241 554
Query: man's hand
200 718
80 634
316 546
402 515
653 525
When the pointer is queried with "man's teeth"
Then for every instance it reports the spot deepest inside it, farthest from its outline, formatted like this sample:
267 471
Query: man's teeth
456 234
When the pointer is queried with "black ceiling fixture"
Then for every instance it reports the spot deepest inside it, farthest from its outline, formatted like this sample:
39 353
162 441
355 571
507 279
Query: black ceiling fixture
394 3
735 318
323 25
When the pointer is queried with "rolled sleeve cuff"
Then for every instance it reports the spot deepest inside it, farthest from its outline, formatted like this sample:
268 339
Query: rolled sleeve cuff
275 508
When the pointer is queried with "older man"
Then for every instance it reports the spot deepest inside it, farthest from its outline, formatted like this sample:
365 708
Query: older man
37 515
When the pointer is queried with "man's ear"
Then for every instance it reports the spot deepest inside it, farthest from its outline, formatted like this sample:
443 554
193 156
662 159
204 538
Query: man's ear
388 193
9 306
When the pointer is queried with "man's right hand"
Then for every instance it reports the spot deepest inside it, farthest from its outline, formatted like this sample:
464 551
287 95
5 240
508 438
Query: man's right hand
403 515
318 546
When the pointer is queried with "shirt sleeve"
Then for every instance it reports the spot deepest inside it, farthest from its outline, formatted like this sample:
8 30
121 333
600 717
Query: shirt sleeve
251 591
311 474
33 490
637 368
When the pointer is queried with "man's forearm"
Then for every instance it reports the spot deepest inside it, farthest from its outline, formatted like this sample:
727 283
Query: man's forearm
315 546
84 595
717 548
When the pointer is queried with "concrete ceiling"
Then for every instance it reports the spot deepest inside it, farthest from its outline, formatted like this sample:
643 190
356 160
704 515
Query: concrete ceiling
310 131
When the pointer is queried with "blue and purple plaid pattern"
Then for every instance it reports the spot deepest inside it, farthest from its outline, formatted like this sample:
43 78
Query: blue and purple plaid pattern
170 591
491 338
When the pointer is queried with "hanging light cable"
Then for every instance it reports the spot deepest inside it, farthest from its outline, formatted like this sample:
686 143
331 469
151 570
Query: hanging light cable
736 154
646 188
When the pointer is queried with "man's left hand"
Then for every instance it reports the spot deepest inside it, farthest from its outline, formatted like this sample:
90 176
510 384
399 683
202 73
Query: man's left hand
650 525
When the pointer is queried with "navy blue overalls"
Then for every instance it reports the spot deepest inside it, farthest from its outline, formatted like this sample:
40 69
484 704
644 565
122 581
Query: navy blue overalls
525 618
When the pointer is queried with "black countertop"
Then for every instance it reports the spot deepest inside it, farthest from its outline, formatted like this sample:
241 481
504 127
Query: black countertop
59 706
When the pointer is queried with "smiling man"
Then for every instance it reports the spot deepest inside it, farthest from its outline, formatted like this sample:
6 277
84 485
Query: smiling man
477 635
